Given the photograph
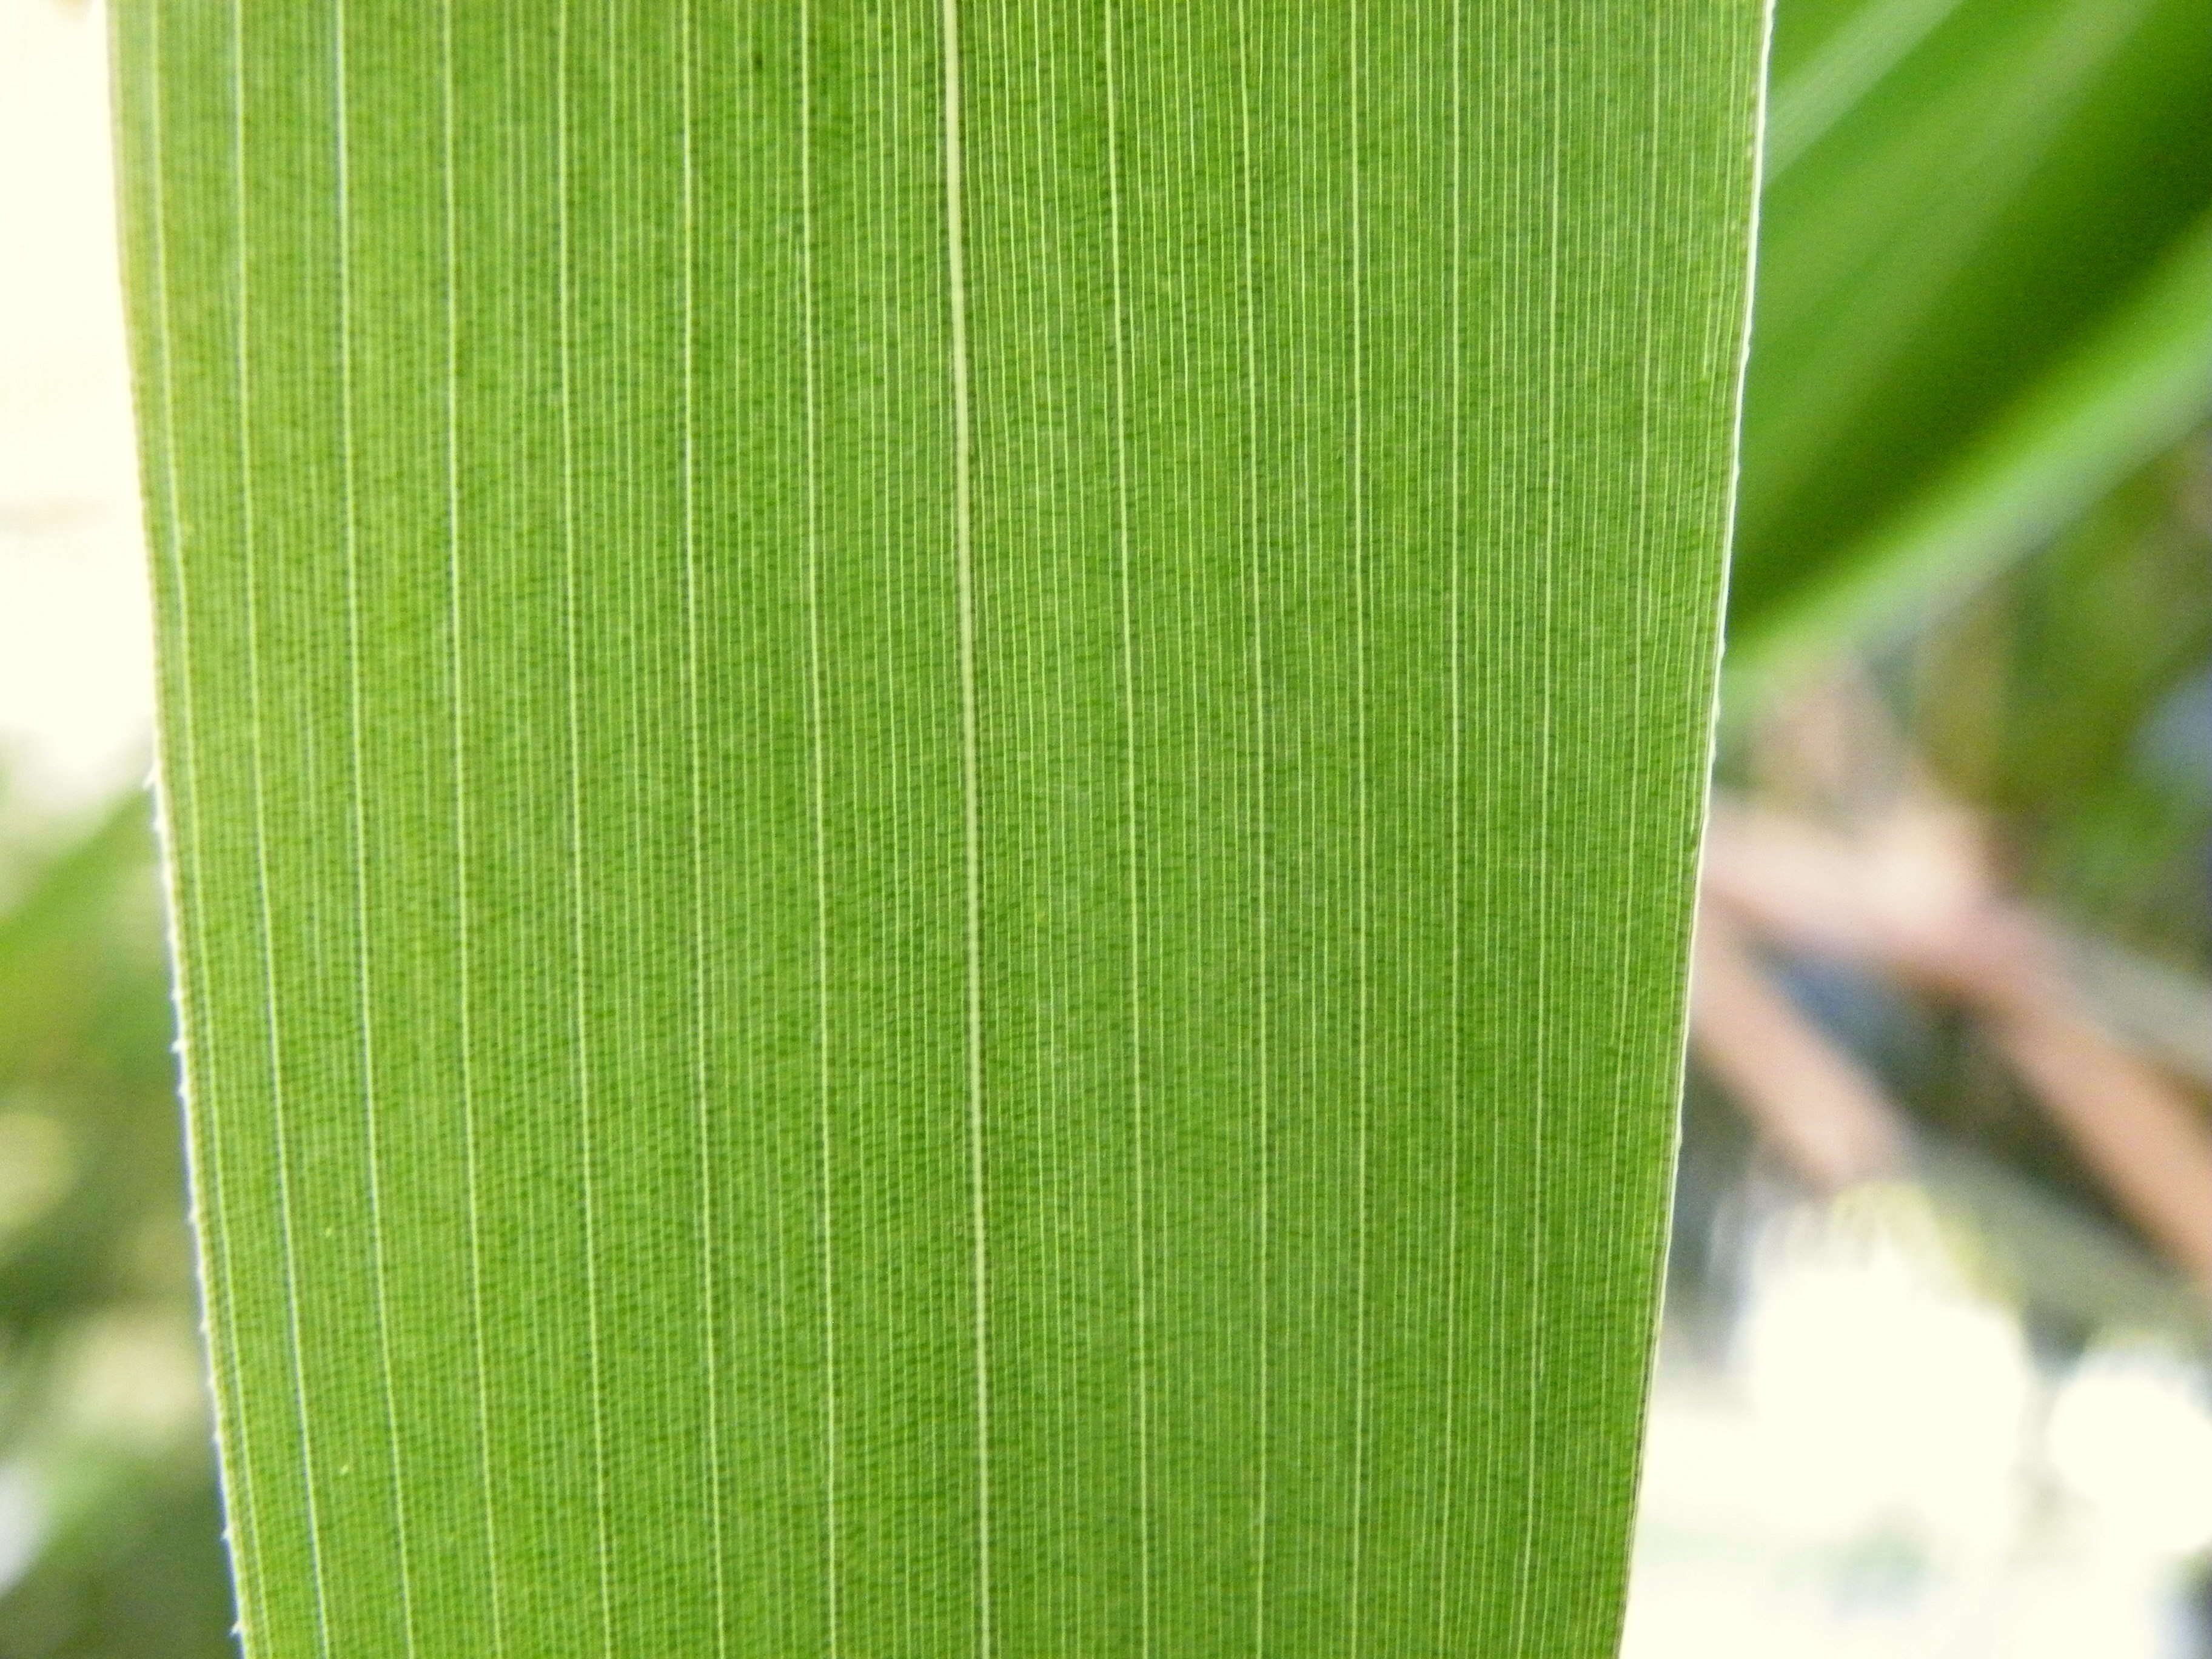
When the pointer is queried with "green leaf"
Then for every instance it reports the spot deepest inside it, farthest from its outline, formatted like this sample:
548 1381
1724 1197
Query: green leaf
2141 380
932 774
1846 57
1974 311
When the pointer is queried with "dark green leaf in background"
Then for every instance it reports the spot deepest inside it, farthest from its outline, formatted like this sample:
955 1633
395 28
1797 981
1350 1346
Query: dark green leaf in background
1985 244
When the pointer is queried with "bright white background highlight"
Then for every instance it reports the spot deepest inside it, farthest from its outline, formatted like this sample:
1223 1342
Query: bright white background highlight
75 682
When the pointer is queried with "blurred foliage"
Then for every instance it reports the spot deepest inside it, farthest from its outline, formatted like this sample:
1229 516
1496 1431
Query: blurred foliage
106 1475
2071 701
2066 700
2072 698
1984 247
1975 466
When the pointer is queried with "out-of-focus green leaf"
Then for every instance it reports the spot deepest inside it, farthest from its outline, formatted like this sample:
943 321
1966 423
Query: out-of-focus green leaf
2142 378
2068 698
70 958
108 1484
1831 56
1982 233
131 1569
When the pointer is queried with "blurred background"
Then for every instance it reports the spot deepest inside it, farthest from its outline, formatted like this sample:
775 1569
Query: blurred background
1933 1375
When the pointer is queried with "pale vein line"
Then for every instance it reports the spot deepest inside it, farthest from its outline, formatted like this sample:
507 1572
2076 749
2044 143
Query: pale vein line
572 650
1355 466
1494 577
242 362
1054 1163
766 1347
1057 1159
1525 1579
462 898
1315 453
349 553
1639 539
196 1035
1564 1599
1135 937
1626 1078
817 791
888 66
1456 725
964 566
1262 1056
709 1308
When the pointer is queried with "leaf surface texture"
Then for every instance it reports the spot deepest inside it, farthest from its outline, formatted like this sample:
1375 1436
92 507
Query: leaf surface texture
932 774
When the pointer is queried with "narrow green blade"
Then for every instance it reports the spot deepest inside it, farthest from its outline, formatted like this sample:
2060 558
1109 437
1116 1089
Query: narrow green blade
1971 207
2140 381
932 773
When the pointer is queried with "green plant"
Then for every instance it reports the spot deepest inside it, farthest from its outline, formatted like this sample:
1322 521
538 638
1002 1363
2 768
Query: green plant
932 775
102 1432
1985 234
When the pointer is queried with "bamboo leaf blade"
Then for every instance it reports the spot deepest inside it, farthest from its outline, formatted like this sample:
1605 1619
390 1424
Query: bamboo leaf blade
931 779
